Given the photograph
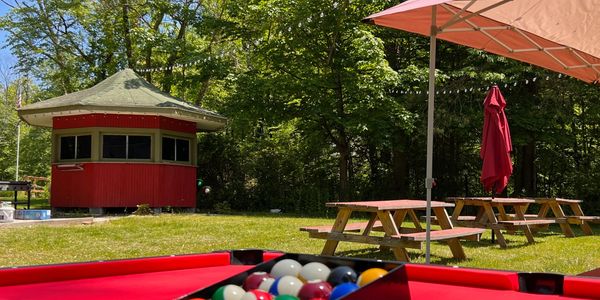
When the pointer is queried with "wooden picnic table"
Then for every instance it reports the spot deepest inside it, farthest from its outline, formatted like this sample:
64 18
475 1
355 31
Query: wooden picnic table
577 218
486 217
388 216
17 186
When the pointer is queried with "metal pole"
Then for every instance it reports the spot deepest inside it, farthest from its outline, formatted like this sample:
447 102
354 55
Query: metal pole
18 132
430 116
18 149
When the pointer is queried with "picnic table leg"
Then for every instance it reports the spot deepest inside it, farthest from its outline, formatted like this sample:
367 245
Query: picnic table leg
504 216
560 214
542 213
390 229
493 222
521 216
576 208
457 210
370 224
415 220
398 218
444 221
338 226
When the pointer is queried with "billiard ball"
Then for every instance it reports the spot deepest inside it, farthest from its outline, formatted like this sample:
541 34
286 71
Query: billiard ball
257 295
341 275
286 297
370 275
229 292
254 280
314 271
315 289
286 267
266 284
286 285
343 290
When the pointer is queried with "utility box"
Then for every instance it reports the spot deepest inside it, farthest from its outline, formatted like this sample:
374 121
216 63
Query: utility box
6 212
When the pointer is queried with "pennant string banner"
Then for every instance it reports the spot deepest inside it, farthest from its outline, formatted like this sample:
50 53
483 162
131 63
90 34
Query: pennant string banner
482 88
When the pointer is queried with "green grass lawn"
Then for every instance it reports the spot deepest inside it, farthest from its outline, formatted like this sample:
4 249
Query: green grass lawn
193 233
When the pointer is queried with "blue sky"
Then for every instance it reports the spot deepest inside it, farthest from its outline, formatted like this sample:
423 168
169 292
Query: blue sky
6 59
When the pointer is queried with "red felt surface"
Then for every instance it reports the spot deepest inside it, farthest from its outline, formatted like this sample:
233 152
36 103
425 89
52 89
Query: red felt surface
582 287
154 285
47 273
426 290
488 279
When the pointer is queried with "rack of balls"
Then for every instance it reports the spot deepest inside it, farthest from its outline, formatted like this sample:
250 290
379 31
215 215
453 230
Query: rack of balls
290 280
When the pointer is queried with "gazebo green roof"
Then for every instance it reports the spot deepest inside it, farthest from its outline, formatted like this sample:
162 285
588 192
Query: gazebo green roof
124 92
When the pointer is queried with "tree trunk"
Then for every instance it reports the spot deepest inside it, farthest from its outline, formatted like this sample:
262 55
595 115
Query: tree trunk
168 80
375 177
344 151
400 168
126 35
527 177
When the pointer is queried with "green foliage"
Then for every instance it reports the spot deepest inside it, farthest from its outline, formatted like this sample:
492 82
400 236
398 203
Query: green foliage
35 146
143 210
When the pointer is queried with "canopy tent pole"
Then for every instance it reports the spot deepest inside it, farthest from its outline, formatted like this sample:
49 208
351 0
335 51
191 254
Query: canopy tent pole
430 110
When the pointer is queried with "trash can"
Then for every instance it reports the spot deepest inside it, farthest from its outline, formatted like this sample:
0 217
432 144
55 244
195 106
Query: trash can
7 212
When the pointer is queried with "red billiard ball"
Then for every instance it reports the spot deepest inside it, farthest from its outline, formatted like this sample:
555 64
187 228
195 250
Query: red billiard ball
254 280
257 295
315 289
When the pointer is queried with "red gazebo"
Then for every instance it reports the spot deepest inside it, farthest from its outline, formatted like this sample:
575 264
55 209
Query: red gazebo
121 143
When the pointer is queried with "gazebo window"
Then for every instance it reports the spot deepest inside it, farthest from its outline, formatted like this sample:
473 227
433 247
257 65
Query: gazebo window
126 146
75 147
175 149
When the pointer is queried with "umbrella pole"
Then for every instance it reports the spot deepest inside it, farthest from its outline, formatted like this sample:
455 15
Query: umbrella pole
493 194
430 116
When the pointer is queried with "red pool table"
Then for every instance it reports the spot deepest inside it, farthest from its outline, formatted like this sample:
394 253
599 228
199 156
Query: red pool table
188 276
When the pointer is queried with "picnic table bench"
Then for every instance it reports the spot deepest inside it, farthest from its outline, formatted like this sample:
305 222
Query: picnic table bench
388 216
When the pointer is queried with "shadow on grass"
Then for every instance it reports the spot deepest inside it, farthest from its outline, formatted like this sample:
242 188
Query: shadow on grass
375 253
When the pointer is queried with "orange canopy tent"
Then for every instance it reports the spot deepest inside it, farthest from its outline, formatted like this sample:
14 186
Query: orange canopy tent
560 35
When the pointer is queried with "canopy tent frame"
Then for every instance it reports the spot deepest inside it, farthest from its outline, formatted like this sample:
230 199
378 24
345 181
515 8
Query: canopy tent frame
485 30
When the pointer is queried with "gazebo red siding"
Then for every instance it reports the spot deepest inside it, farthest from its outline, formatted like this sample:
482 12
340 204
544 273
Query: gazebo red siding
123 184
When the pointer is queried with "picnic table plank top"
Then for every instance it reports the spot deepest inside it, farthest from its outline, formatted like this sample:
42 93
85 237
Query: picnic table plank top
387 204
559 200
494 200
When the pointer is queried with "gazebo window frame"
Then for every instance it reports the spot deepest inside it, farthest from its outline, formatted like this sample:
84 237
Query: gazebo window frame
126 158
174 160
76 136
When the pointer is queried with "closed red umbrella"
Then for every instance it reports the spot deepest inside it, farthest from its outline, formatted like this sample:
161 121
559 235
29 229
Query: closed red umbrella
495 144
